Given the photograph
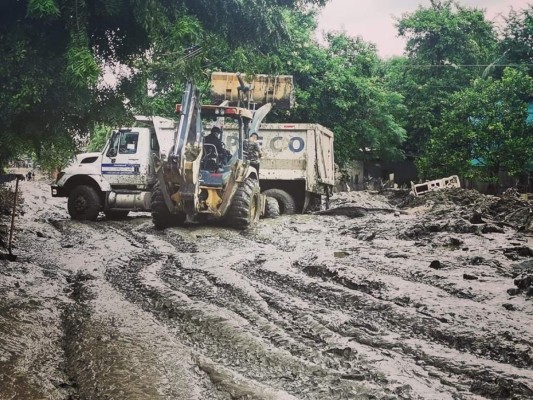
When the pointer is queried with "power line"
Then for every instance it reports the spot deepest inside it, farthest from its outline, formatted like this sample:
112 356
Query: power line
466 65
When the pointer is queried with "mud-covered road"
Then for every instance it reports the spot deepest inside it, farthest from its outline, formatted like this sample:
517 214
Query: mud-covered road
406 305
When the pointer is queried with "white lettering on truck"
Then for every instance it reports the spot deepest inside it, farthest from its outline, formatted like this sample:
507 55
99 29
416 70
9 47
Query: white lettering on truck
295 144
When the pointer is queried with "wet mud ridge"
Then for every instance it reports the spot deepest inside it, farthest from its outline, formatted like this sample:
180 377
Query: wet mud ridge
387 297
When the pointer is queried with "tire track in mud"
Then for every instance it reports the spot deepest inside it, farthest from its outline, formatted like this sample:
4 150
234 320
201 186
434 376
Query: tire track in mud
416 341
111 348
112 355
332 356
390 319
224 335
505 339
463 342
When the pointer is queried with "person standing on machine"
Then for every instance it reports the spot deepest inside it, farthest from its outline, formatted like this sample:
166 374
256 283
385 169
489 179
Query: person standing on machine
252 151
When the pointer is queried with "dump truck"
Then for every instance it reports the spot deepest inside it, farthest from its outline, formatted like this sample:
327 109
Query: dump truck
297 164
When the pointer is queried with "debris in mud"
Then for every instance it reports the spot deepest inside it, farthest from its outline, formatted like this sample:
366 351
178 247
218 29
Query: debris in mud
476 208
469 277
395 254
514 253
358 204
437 184
523 279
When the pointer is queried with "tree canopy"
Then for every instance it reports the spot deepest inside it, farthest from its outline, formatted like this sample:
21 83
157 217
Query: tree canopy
447 46
55 53
449 100
484 129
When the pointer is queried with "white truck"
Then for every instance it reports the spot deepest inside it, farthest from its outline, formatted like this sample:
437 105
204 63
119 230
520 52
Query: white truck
120 178
296 169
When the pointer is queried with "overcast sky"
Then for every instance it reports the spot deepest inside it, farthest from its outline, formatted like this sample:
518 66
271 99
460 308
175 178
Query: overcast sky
374 19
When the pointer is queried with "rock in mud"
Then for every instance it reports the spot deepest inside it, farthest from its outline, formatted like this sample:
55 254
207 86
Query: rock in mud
436 264
509 306
469 277
524 282
477 217
519 251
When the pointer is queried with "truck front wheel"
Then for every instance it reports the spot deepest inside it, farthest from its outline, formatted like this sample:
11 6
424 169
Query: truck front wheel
287 205
84 203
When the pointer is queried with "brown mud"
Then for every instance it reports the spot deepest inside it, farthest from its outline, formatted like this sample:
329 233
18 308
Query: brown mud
389 297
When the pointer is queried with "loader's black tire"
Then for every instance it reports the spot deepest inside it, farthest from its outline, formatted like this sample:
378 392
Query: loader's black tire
287 205
84 203
161 216
271 208
244 210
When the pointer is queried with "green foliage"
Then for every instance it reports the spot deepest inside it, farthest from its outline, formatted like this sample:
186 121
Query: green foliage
81 65
339 87
53 155
54 54
98 137
43 8
516 43
445 42
484 123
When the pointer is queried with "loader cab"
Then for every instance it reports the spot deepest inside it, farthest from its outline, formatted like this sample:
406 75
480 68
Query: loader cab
218 116
217 160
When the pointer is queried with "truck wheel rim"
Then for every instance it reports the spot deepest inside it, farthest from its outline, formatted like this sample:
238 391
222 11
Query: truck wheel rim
80 203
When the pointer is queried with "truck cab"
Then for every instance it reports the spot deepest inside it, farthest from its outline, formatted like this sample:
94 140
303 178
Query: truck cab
120 178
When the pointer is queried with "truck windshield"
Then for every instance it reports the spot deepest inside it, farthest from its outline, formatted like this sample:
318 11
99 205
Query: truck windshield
123 143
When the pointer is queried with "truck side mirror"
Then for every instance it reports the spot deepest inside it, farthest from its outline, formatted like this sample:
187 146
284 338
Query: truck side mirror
112 152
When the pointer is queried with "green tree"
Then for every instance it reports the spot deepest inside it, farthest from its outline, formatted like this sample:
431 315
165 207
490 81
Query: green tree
447 46
516 46
54 54
346 94
483 130
98 137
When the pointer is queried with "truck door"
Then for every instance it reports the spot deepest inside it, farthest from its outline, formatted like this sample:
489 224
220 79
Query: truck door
122 163
324 156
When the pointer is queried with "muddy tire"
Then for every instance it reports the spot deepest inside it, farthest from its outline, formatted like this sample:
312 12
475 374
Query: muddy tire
161 216
315 203
287 205
116 214
84 203
244 210
271 208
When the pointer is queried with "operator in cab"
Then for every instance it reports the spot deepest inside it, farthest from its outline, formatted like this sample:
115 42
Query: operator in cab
214 139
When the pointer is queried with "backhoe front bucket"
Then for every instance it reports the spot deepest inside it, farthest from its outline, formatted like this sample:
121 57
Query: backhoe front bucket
263 89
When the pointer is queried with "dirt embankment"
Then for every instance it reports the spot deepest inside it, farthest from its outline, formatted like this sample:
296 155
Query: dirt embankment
385 298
